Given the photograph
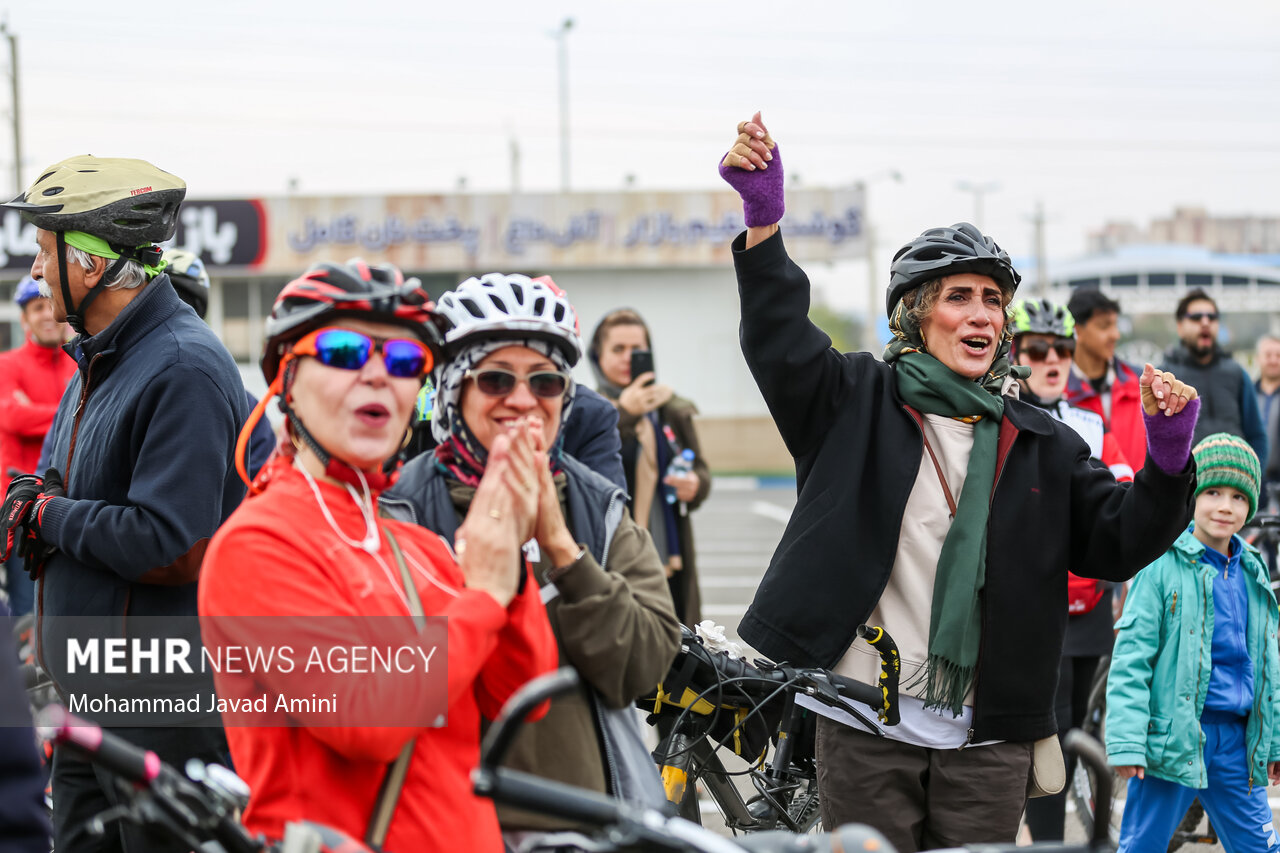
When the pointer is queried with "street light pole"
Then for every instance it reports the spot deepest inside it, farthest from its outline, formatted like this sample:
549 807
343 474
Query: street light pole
561 36
17 111
870 337
979 191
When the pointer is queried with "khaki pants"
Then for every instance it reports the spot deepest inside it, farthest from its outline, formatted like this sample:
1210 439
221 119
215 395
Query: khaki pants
920 798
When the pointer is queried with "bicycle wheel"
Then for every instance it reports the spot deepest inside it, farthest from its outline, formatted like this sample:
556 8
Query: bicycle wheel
1083 782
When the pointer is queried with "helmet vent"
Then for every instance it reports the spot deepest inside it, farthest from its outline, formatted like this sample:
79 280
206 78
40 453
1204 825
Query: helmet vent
518 291
500 304
558 313
539 305
472 308
52 191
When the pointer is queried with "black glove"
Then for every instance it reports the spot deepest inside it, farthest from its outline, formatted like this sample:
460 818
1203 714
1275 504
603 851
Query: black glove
24 491
22 518
53 485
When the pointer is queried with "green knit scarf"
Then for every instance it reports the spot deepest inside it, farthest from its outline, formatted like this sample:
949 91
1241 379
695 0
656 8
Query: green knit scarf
955 620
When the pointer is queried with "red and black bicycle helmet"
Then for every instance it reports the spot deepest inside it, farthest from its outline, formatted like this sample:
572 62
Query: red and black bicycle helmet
941 252
325 293
376 292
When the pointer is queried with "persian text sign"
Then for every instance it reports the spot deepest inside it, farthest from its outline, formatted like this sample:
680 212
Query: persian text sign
549 231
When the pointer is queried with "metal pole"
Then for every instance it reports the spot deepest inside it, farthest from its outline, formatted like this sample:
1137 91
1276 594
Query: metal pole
873 291
17 110
562 37
1042 262
979 192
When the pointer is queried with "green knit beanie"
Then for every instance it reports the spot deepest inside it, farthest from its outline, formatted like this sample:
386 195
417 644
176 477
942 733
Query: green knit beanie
1223 459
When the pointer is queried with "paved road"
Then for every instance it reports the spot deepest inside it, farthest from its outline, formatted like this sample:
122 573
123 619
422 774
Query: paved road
736 531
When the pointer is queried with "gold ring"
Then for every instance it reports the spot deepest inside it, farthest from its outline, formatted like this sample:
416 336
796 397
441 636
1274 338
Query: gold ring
493 513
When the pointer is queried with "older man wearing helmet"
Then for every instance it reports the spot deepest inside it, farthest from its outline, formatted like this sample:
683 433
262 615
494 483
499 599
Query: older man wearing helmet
143 440
32 379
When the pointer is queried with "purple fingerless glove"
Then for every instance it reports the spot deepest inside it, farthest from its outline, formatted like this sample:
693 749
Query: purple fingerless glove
1169 437
761 190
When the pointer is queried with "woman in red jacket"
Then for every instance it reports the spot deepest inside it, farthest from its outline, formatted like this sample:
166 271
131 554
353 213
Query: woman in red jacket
305 571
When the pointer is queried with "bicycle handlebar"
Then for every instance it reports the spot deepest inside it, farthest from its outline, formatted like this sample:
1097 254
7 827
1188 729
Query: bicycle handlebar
139 766
760 682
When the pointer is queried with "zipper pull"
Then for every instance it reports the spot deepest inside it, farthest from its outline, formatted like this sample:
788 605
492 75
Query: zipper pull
968 739
1174 609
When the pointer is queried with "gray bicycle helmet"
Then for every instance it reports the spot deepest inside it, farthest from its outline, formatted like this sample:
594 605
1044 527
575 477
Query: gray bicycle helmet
189 277
939 252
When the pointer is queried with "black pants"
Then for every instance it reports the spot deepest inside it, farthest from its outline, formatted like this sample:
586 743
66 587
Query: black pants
82 791
1046 815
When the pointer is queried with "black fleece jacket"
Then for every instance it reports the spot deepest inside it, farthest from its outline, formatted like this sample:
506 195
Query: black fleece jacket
858 448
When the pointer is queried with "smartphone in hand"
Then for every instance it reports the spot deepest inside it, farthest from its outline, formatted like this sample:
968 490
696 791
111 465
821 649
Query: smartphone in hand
641 362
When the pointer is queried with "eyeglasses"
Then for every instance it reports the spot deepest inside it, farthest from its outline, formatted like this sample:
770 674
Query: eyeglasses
404 358
1038 350
500 382
1201 316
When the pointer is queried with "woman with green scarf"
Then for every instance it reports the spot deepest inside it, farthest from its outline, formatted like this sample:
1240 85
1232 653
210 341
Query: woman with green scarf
933 502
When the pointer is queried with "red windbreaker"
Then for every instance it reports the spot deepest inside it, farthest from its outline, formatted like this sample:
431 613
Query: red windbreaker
1126 422
40 373
278 556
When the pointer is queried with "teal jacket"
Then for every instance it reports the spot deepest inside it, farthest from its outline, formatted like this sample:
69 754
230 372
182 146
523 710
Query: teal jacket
1160 668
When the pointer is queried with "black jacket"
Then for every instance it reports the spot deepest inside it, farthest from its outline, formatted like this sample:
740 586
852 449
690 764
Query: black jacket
858 448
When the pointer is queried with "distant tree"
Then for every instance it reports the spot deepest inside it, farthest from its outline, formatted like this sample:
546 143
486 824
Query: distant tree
844 329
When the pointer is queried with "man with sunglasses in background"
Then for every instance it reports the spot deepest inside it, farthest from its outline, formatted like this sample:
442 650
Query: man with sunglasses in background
1044 341
143 440
1228 401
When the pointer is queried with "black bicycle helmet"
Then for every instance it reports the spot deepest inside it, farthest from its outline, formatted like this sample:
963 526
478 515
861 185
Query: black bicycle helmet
941 252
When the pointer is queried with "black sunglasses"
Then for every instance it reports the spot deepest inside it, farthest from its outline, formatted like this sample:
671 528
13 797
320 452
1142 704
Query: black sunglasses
500 382
1038 350
1201 316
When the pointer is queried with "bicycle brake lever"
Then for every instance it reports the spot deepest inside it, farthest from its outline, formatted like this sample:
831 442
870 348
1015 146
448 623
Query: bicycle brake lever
97 824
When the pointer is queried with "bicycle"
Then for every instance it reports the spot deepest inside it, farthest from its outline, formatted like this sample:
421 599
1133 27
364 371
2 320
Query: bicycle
1085 781
710 701
198 807
614 826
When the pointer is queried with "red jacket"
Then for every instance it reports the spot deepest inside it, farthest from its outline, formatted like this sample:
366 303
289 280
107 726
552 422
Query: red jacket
1126 422
41 373
278 556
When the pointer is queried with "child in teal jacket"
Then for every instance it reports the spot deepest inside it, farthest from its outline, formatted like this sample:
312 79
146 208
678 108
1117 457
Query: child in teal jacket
1195 675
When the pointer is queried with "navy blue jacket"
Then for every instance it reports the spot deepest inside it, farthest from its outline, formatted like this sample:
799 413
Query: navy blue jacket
591 435
145 438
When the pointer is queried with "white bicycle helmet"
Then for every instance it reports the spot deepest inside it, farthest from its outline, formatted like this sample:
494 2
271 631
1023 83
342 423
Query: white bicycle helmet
498 306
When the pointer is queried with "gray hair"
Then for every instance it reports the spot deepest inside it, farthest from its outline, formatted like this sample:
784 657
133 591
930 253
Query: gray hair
131 275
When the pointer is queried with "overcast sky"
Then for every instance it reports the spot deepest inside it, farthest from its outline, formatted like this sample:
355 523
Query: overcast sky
1099 110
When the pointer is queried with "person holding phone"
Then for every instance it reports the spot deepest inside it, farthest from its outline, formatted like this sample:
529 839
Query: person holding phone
655 425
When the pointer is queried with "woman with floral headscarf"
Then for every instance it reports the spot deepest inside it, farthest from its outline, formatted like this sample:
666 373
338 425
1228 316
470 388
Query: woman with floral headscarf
934 503
510 345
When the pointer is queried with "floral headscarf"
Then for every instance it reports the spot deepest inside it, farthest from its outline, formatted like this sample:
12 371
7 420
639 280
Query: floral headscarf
460 452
